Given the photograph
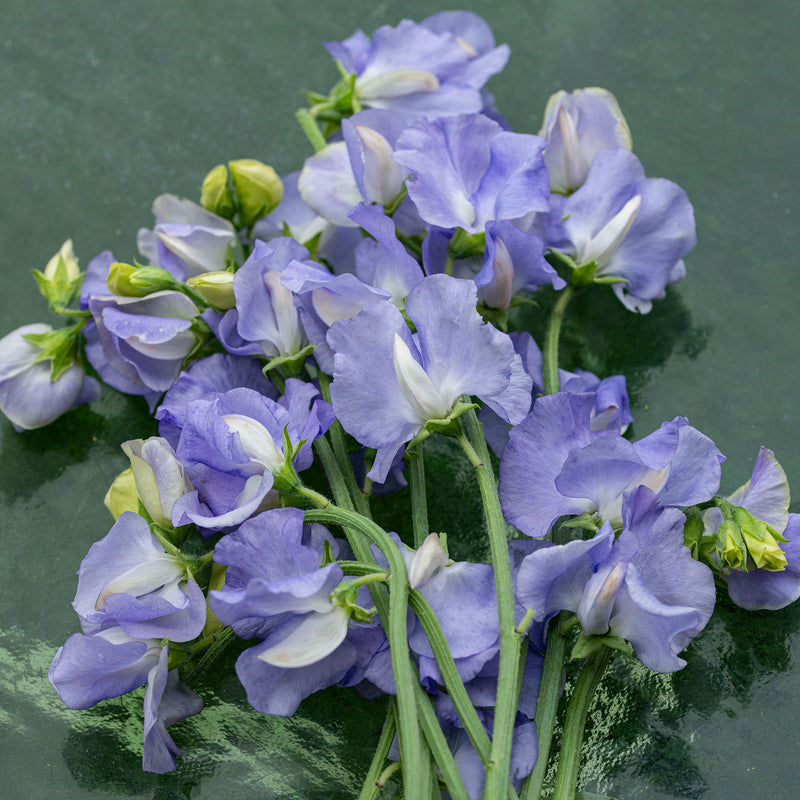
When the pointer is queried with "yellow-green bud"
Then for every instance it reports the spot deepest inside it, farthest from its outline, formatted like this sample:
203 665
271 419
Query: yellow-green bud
126 280
67 256
731 552
215 287
216 194
257 186
122 494
761 541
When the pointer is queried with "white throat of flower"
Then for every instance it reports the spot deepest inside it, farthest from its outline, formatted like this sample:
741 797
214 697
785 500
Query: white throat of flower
427 561
416 385
316 637
158 571
604 244
575 164
395 83
256 440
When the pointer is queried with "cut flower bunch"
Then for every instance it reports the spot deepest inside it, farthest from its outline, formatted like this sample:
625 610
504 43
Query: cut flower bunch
300 338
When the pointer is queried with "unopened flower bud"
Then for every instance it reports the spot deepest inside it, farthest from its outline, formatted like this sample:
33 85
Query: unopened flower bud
761 541
216 288
216 194
126 280
65 255
257 186
122 495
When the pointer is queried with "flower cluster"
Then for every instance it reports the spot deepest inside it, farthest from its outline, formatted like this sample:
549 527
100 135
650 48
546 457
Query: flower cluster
339 317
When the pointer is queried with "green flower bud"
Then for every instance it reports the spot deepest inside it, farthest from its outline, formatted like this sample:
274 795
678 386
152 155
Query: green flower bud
122 495
216 194
65 256
761 541
258 189
730 546
61 280
126 280
215 287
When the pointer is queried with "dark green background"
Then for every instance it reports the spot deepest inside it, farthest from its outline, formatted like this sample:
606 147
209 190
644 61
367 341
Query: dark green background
105 105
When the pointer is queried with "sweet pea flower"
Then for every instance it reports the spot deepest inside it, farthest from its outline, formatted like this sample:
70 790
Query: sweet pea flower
555 464
634 228
388 383
232 443
644 587
127 579
187 239
136 344
415 70
216 373
276 591
469 171
28 396
577 125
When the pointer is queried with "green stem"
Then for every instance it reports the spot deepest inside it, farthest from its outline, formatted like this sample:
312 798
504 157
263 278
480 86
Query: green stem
497 771
395 625
579 702
311 129
375 778
547 705
419 500
550 354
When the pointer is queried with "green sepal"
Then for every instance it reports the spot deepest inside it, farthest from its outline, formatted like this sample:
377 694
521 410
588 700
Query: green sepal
60 347
312 244
60 290
693 533
585 521
177 658
586 645
449 426
494 316
466 245
127 280
579 275
291 365
328 556
391 207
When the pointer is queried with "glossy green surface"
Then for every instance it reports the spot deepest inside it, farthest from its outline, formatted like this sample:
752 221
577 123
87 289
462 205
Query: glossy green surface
106 105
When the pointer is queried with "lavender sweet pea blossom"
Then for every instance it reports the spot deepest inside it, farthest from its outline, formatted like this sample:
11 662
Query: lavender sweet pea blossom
635 228
644 587
187 239
577 125
27 395
388 383
137 344
276 591
469 171
416 71
555 464
127 579
231 443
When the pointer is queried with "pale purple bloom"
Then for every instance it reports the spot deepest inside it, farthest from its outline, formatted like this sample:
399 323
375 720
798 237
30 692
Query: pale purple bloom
555 464
27 395
357 169
231 443
633 227
388 383
128 579
265 319
766 497
644 587
187 239
166 701
415 71
99 665
217 373
468 171
577 125
275 590
137 344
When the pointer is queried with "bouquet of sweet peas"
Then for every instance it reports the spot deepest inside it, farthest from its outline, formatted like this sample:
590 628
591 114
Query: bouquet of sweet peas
330 322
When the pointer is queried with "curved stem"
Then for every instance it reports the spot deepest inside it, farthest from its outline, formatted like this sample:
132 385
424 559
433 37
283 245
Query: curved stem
497 770
550 353
579 702
394 620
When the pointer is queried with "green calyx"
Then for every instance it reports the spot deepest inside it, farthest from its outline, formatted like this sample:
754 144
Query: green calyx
60 347
579 275
448 426
346 595
585 646
127 280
